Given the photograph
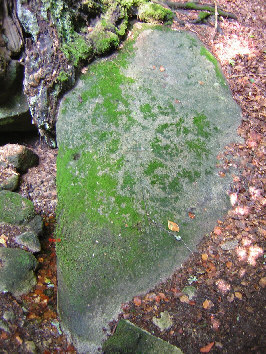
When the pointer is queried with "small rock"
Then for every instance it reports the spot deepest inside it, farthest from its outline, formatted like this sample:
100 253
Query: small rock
229 245
15 209
29 240
30 347
19 156
9 316
36 225
16 271
165 322
190 291
4 326
9 178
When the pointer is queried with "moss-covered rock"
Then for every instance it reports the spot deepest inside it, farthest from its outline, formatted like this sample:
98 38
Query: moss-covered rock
155 13
15 209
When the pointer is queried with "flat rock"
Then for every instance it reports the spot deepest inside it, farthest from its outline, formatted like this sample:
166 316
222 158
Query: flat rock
17 271
129 338
138 139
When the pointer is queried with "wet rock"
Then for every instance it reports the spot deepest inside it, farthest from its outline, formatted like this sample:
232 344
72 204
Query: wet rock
17 271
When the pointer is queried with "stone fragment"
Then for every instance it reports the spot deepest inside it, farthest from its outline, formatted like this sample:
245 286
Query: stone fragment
164 322
29 240
190 291
129 338
229 245
16 271
9 178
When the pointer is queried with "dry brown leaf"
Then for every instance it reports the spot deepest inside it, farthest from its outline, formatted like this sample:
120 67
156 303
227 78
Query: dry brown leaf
137 301
262 282
207 348
204 256
184 298
207 304
173 226
238 295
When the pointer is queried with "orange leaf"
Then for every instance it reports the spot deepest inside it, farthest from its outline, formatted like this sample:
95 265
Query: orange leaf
191 215
207 304
162 68
204 256
137 301
162 296
207 348
173 226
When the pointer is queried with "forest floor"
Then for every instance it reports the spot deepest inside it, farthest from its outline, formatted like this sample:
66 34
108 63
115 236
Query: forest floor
226 273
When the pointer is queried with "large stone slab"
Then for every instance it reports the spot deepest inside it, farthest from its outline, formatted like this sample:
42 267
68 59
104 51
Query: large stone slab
138 139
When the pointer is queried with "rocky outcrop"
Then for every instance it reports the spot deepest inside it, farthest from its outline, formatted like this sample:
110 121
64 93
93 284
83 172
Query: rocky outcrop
65 35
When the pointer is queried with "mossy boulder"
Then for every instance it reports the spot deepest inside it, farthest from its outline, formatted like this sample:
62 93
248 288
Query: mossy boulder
138 140
15 209
17 271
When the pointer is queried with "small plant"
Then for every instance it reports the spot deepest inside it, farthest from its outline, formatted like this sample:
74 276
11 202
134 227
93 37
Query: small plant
232 62
192 279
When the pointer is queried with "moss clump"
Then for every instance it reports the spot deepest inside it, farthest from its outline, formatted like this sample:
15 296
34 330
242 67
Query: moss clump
211 58
77 49
155 13
104 42
62 77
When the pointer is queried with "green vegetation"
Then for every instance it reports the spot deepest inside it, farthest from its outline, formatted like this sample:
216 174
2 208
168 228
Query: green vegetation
155 13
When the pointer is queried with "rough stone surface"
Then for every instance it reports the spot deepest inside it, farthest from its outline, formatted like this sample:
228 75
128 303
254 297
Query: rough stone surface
129 338
29 240
16 271
19 156
15 209
138 139
9 178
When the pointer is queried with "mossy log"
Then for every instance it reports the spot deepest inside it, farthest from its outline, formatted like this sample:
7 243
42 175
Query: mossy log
197 6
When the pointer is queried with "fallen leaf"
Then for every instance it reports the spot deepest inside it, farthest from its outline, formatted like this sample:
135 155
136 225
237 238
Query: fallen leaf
184 298
201 82
162 68
191 215
207 304
262 282
162 296
154 67
217 230
173 226
229 264
204 256
238 295
137 301
207 348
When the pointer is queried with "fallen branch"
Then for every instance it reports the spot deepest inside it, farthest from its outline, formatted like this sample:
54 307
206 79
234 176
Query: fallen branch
197 6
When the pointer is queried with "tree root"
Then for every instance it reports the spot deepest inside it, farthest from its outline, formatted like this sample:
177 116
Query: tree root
196 6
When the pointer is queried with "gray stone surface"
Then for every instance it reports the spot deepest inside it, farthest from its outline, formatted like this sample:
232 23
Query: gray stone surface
138 139
29 240
129 338
17 271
